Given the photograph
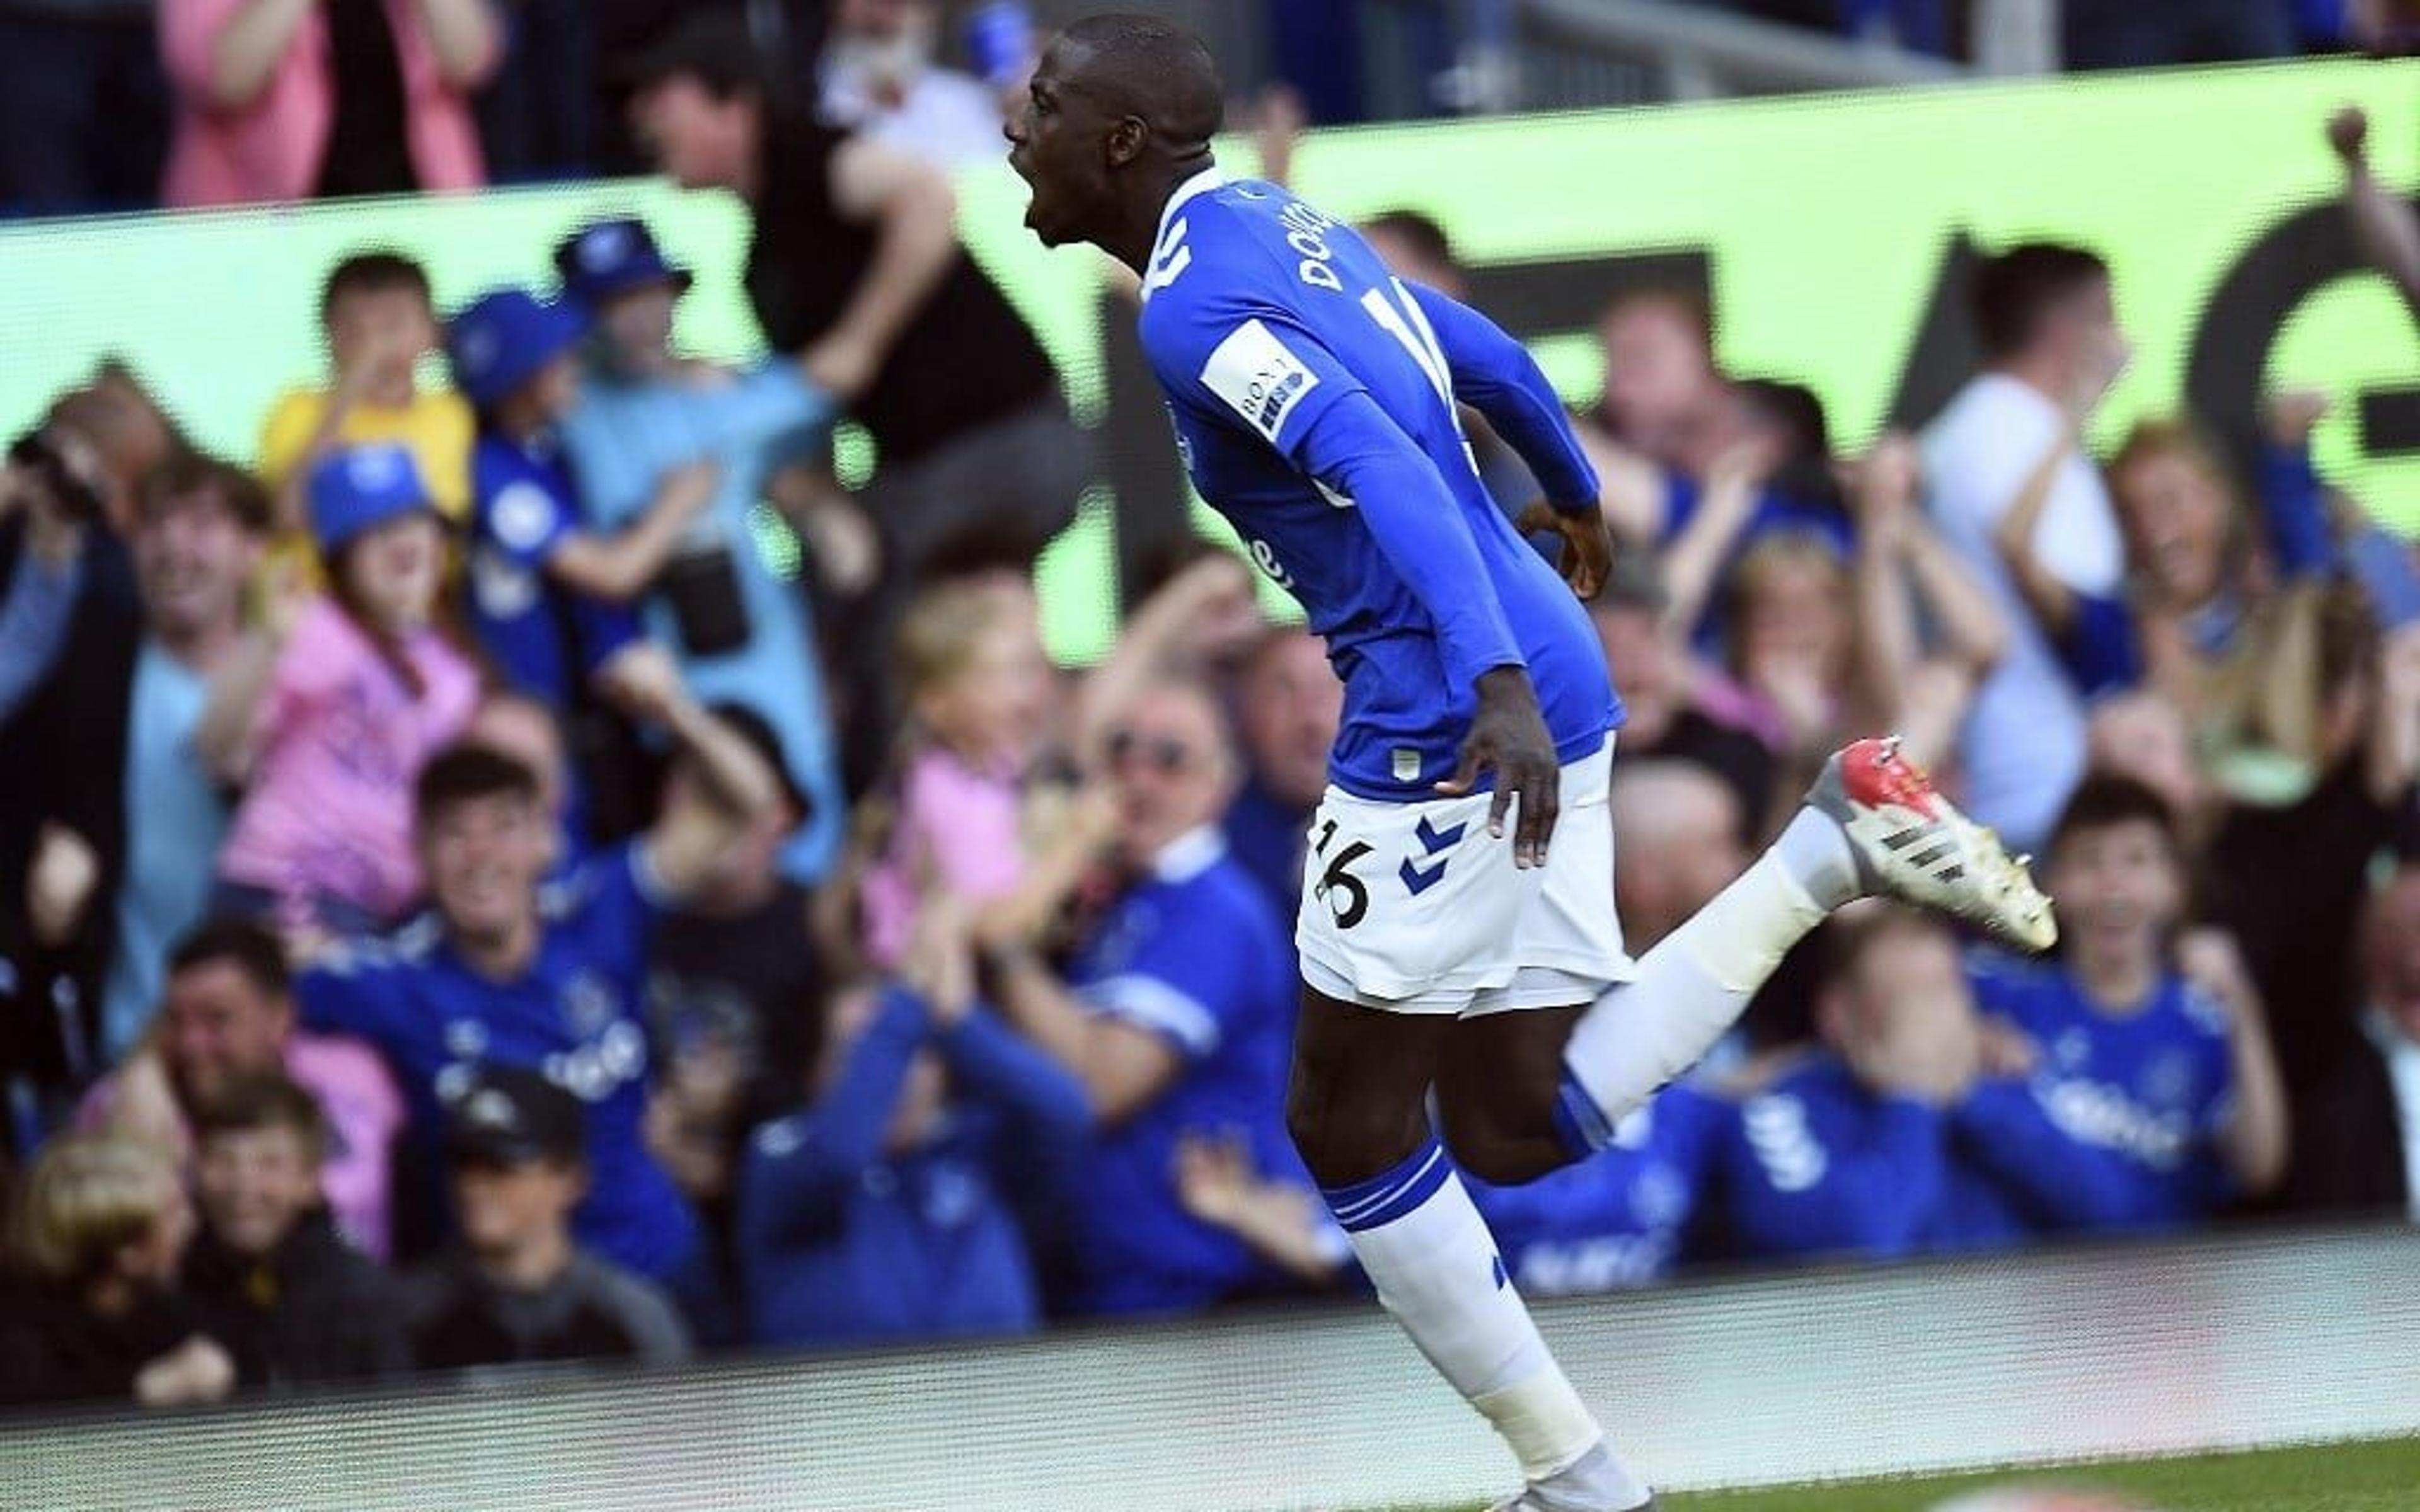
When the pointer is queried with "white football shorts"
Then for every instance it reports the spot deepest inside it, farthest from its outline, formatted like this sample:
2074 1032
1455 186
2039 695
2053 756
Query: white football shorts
1414 908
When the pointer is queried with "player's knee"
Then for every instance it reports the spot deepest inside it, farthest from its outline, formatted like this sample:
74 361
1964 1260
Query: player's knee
1343 1141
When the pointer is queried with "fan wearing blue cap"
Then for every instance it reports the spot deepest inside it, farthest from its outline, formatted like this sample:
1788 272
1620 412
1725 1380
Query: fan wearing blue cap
550 598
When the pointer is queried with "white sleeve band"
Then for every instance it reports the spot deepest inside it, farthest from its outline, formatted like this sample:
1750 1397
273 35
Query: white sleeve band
1153 1004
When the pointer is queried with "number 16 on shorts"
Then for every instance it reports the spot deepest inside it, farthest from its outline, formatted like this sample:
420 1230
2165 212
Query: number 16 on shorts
1404 899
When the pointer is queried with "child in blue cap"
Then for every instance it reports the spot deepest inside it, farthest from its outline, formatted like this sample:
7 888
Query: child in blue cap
549 597
335 706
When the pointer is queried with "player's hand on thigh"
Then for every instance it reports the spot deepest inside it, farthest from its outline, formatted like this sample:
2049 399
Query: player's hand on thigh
1507 736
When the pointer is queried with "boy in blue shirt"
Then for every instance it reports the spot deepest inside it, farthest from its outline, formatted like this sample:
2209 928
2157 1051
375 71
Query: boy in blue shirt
549 599
1851 1145
507 970
2154 1098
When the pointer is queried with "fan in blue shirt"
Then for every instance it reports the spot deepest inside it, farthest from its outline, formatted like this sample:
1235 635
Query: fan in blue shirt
1853 1148
896 1206
511 971
549 600
1175 1012
2155 1097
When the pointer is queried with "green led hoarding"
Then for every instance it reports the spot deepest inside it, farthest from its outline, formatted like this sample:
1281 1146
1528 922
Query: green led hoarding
1830 231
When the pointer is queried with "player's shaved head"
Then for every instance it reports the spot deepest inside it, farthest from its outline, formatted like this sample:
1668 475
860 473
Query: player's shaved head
1152 70
1119 113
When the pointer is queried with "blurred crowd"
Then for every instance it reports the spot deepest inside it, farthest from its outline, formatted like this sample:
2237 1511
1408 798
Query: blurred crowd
466 901
115 104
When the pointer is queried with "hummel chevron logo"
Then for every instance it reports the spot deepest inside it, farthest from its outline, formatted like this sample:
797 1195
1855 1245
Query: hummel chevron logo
1434 839
1416 881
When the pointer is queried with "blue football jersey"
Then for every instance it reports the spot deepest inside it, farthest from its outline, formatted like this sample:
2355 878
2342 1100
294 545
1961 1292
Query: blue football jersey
575 1014
1297 370
2119 1125
543 638
1817 1163
1196 955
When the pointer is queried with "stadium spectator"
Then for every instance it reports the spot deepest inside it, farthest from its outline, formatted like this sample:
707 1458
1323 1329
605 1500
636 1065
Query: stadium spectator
2155 1097
855 269
2385 227
506 972
1618 1219
879 77
1682 843
294 1303
2216 612
735 987
1852 1145
227 1015
1174 1012
1288 704
284 99
70 622
545 594
1677 710
2356 1126
2052 346
903 1202
201 528
739 629
979 695
333 706
521 1288
81 123
377 314
97 1231
2288 881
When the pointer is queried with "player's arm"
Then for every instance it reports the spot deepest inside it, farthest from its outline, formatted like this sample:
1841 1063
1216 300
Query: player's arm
1495 376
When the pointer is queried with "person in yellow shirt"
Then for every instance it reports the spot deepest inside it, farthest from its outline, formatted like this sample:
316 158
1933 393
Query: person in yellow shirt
380 321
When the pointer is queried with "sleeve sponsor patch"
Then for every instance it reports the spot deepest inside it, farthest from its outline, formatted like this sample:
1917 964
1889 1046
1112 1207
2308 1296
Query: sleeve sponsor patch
1258 377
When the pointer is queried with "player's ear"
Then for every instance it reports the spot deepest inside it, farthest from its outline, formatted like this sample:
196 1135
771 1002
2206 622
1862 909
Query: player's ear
1125 141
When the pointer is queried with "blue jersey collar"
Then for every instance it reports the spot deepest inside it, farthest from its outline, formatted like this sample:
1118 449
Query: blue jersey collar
1200 183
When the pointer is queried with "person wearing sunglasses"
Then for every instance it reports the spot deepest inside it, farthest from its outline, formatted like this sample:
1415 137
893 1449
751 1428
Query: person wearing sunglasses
1172 1007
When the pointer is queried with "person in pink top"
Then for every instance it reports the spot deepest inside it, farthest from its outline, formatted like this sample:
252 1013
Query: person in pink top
284 99
228 1016
330 720
980 693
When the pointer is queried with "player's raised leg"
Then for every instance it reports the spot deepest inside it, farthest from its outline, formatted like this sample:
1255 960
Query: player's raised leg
1872 825
1358 1111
